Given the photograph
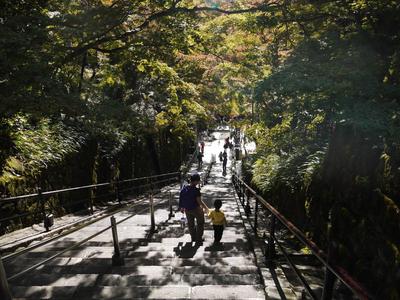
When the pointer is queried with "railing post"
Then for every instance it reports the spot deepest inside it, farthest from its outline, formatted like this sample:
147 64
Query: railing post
329 280
171 213
242 191
91 195
116 188
153 223
247 207
117 259
43 209
151 184
239 191
256 218
271 241
5 293
91 204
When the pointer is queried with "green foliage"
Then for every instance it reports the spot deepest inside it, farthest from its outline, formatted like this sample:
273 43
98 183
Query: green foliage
38 145
89 85
100 67
328 116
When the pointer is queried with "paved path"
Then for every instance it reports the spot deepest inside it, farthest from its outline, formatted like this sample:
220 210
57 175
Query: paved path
163 265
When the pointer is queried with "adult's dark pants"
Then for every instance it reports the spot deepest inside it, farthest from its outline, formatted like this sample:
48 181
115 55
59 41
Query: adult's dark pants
218 230
195 219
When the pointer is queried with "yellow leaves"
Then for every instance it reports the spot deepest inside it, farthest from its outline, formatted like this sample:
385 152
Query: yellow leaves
306 250
168 117
387 167
234 108
194 108
318 119
175 110
107 2
156 68
142 65
12 170
109 80
15 163
161 119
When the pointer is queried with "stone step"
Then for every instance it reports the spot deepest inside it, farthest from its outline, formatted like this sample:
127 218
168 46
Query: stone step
140 246
103 265
172 292
42 292
161 252
144 270
243 292
226 247
100 292
150 279
162 265
238 269
221 279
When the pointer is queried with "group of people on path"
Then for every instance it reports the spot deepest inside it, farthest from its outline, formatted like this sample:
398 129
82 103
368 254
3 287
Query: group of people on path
193 206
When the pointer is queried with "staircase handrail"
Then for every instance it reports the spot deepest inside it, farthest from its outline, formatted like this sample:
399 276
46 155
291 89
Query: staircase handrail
340 273
52 192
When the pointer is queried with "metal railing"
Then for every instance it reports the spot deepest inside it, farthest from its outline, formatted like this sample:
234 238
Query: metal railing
206 174
117 258
332 271
152 187
113 228
116 191
185 168
119 187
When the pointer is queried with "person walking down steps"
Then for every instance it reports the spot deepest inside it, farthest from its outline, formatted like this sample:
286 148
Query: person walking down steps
224 162
199 160
191 203
218 220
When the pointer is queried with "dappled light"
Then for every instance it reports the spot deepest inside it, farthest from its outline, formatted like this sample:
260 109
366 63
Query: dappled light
288 111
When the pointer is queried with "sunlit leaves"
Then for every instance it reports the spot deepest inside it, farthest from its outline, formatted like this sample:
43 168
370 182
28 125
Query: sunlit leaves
38 147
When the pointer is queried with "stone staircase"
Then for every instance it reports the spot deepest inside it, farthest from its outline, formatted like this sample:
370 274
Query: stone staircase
160 265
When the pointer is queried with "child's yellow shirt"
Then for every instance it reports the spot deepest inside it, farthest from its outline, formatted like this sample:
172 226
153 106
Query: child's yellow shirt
217 217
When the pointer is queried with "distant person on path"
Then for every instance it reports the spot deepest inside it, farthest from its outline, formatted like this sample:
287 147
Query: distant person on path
226 145
218 220
191 203
200 160
202 144
224 162
220 156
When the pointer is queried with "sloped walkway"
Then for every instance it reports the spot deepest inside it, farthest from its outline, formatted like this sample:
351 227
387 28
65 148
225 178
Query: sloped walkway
163 265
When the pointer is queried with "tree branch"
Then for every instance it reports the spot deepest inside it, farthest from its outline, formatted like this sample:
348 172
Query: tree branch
158 15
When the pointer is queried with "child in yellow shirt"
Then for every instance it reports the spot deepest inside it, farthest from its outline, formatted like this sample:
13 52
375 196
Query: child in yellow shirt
218 220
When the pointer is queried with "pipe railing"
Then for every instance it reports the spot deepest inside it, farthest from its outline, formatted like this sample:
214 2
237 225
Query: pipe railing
64 233
185 168
113 228
332 271
118 188
206 174
117 258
